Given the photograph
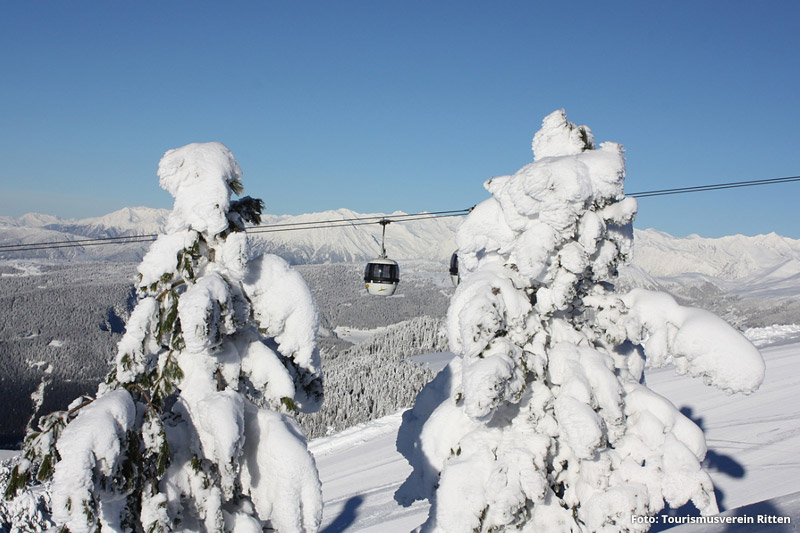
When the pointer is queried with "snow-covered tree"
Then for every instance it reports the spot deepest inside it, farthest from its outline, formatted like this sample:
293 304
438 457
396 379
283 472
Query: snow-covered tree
545 422
193 429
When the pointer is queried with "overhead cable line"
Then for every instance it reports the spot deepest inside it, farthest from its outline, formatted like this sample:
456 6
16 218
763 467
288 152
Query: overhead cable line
262 228
86 242
271 228
362 221
716 187
358 221
400 217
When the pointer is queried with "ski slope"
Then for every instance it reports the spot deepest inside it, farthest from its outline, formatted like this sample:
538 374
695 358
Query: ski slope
753 441
754 451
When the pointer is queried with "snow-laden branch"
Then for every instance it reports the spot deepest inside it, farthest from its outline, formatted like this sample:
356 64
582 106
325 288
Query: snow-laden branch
697 342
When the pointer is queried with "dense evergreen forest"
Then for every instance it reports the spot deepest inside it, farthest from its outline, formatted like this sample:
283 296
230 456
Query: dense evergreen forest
61 323
375 378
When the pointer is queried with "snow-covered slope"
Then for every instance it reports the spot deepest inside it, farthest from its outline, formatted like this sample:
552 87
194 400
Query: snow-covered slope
752 440
766 266
431 239
729 258
776 515
126 221
30 220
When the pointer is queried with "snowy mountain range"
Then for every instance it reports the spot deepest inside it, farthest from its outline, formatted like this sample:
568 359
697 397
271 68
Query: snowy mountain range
126 221
766 266
431 239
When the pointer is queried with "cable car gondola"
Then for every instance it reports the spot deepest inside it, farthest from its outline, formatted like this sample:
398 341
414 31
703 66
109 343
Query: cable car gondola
454 277
382 275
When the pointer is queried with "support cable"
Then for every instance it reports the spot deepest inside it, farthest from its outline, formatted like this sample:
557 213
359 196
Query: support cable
361 221
263 228
715 187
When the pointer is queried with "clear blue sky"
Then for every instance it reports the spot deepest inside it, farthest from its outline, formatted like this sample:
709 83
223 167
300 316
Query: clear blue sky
384 106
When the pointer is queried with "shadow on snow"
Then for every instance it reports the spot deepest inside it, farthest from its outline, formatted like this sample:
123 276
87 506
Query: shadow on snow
346 517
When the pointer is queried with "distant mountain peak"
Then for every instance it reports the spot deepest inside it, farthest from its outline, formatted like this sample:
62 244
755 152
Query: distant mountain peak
36 220
146 219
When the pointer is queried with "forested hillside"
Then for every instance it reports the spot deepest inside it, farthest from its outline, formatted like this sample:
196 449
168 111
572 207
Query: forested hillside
375 378
62 322
424 290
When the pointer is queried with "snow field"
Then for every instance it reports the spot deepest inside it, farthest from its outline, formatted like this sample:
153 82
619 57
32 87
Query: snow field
360 469
355 335
7 454
761 337
753 441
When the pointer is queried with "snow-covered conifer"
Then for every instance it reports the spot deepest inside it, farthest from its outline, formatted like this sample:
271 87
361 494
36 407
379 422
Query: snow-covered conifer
545 422
193 429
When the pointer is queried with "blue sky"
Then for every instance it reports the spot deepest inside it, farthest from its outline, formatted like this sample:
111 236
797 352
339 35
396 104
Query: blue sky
384 106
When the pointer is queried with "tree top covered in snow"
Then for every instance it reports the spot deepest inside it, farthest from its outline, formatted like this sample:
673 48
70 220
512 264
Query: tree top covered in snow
201 178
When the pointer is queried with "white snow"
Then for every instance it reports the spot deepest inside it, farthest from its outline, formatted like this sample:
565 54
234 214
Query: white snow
41 365
360 469
284 308
133 342
128 221
696 341
435 361
355 335
199 310
734 257
341 242
8 454
162 254
777 334
24 269
89 443
752 441
280 483
200 177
